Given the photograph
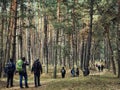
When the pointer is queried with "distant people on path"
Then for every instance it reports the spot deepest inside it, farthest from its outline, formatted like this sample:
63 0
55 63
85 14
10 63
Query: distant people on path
9 70
37 69
77 72
21 68
63 72
100 67
73 72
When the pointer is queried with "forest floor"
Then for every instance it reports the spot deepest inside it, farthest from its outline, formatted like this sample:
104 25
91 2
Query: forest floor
95 81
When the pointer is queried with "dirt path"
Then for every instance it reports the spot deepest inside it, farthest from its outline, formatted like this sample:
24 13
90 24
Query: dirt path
31 87
98 73
44 83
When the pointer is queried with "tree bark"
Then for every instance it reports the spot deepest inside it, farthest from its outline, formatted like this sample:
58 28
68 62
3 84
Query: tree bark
118 39
46 44
15 27
1 40
57 37
111 50
89 35
82 54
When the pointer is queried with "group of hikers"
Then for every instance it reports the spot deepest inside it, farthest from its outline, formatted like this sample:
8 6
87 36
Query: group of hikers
73 72
20 67
100 67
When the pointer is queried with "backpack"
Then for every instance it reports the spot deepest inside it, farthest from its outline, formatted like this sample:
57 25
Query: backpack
19 65
86 72
9 67
63 71
73 72
37 65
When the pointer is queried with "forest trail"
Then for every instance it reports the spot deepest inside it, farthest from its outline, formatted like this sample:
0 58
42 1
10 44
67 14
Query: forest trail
98 73
31 86
44 83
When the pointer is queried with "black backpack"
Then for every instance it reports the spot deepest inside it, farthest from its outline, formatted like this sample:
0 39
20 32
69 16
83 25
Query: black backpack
9 67
63 71
36 65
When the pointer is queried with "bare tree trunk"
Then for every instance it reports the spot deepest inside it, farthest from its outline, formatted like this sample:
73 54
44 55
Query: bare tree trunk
68 56
89 35
29 34
46 44
57 37
29 46
106 53
82 54
1 40
111 50
118 39
21 29
74 37
15 27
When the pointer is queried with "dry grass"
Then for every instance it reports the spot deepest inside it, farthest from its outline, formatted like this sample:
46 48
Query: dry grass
97 81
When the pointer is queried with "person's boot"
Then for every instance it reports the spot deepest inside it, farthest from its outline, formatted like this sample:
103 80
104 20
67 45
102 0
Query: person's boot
22 87
26 86
7 86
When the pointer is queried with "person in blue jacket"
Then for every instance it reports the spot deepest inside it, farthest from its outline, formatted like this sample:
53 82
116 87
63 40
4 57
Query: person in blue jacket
73 72
9 70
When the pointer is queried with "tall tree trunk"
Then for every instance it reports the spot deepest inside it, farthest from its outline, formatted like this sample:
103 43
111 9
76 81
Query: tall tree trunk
29 46
118 39
21 29
107 54
46 44
1 40
74 36
111 50
57 37
68 56
15 27
82 54
89 35
29 34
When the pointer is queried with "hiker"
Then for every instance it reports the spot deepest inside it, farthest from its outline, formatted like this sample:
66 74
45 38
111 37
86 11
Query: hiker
77 72
37 69
9 70
99 68
86 71
63 72
73 72
21 68
102 67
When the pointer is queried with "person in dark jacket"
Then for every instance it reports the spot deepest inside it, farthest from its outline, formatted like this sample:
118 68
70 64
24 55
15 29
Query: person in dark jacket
77 72
99 68
73 72
102 67
63 72
9 70
86 71
23 73
37 69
